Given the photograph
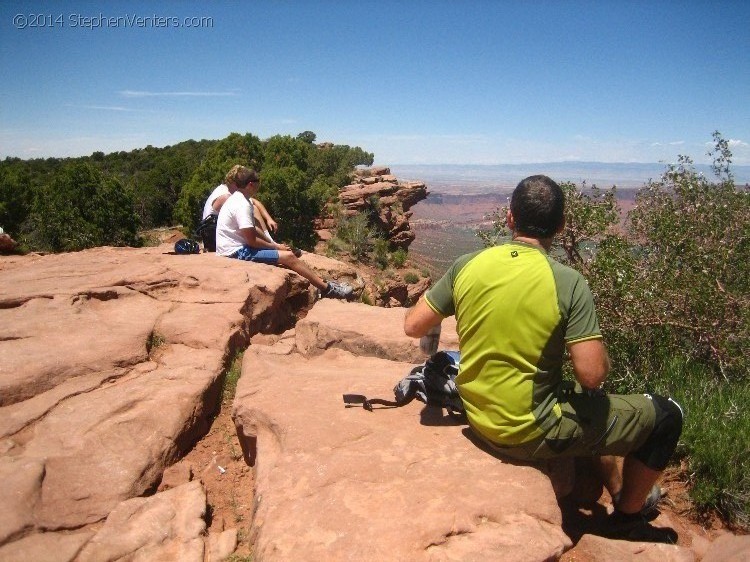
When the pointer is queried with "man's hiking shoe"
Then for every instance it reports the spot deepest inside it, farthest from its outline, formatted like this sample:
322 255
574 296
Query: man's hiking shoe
634 527
651 503
297 252
337 291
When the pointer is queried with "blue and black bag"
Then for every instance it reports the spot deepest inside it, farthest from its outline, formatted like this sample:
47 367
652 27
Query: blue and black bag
433 383
186 246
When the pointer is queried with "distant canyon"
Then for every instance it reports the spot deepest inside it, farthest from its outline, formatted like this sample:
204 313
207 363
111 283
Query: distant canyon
462 198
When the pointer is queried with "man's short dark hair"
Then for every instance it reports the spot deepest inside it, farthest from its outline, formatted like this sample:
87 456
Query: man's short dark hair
538 207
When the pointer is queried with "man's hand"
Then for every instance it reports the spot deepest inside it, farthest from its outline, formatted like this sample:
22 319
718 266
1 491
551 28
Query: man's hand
272 226
284 247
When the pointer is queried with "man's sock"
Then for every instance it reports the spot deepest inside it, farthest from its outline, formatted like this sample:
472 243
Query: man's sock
268 234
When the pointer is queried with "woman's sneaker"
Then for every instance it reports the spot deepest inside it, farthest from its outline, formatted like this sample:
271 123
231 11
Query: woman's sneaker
337 291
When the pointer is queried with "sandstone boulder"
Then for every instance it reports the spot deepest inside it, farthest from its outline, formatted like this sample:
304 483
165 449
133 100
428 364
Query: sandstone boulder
336 483
110 365
7 244
46 547
729 548
598 549
166 526
363 330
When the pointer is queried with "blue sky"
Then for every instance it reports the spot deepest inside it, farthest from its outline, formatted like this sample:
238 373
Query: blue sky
414 82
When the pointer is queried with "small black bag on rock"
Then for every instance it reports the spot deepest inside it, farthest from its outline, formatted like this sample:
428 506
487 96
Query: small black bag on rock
432 383
186 246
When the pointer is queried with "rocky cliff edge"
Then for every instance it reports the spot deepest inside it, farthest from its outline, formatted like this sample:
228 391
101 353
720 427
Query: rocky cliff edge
111 367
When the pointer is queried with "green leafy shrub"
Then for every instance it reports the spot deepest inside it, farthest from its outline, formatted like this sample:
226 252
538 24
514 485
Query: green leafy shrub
235 149
398 257
287 194
411 277
357 234
714 436
81 208
232 377
16 194
380 253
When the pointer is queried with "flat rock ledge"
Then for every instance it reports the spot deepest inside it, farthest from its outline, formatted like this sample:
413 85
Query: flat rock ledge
336 483
111 364
110 369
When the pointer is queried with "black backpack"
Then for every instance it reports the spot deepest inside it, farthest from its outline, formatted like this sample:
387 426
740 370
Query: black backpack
432 383
186 246
207 232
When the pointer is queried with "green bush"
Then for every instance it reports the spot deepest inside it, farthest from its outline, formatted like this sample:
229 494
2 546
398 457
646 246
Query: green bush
398 257
235 149
714 437
292 203
232 377
357 234
411 278
380 253
16 195
81 208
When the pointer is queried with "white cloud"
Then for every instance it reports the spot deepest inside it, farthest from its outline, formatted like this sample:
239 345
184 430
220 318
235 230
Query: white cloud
676 143
105 107
146 94
736 143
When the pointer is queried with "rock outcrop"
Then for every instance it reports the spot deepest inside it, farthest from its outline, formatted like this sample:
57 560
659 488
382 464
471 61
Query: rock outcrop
386 199
393 484
111 366
7 244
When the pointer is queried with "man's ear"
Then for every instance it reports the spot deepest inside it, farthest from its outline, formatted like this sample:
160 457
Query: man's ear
510 220
562 226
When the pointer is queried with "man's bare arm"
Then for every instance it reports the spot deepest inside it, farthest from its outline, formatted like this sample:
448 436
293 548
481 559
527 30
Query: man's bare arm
590 362
253 240
419 319
270 223
219 201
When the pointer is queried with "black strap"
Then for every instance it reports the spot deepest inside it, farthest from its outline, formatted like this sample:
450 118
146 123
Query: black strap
352 400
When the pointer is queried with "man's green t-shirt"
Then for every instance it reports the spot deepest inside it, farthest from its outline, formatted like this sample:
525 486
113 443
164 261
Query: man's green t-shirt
516 308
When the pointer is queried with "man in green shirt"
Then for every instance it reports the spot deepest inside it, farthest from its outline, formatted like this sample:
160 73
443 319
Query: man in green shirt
518 311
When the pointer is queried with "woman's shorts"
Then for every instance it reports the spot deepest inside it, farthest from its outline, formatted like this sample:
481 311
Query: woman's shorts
257 255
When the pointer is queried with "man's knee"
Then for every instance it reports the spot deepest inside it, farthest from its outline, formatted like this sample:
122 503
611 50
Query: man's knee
286 257
662 442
